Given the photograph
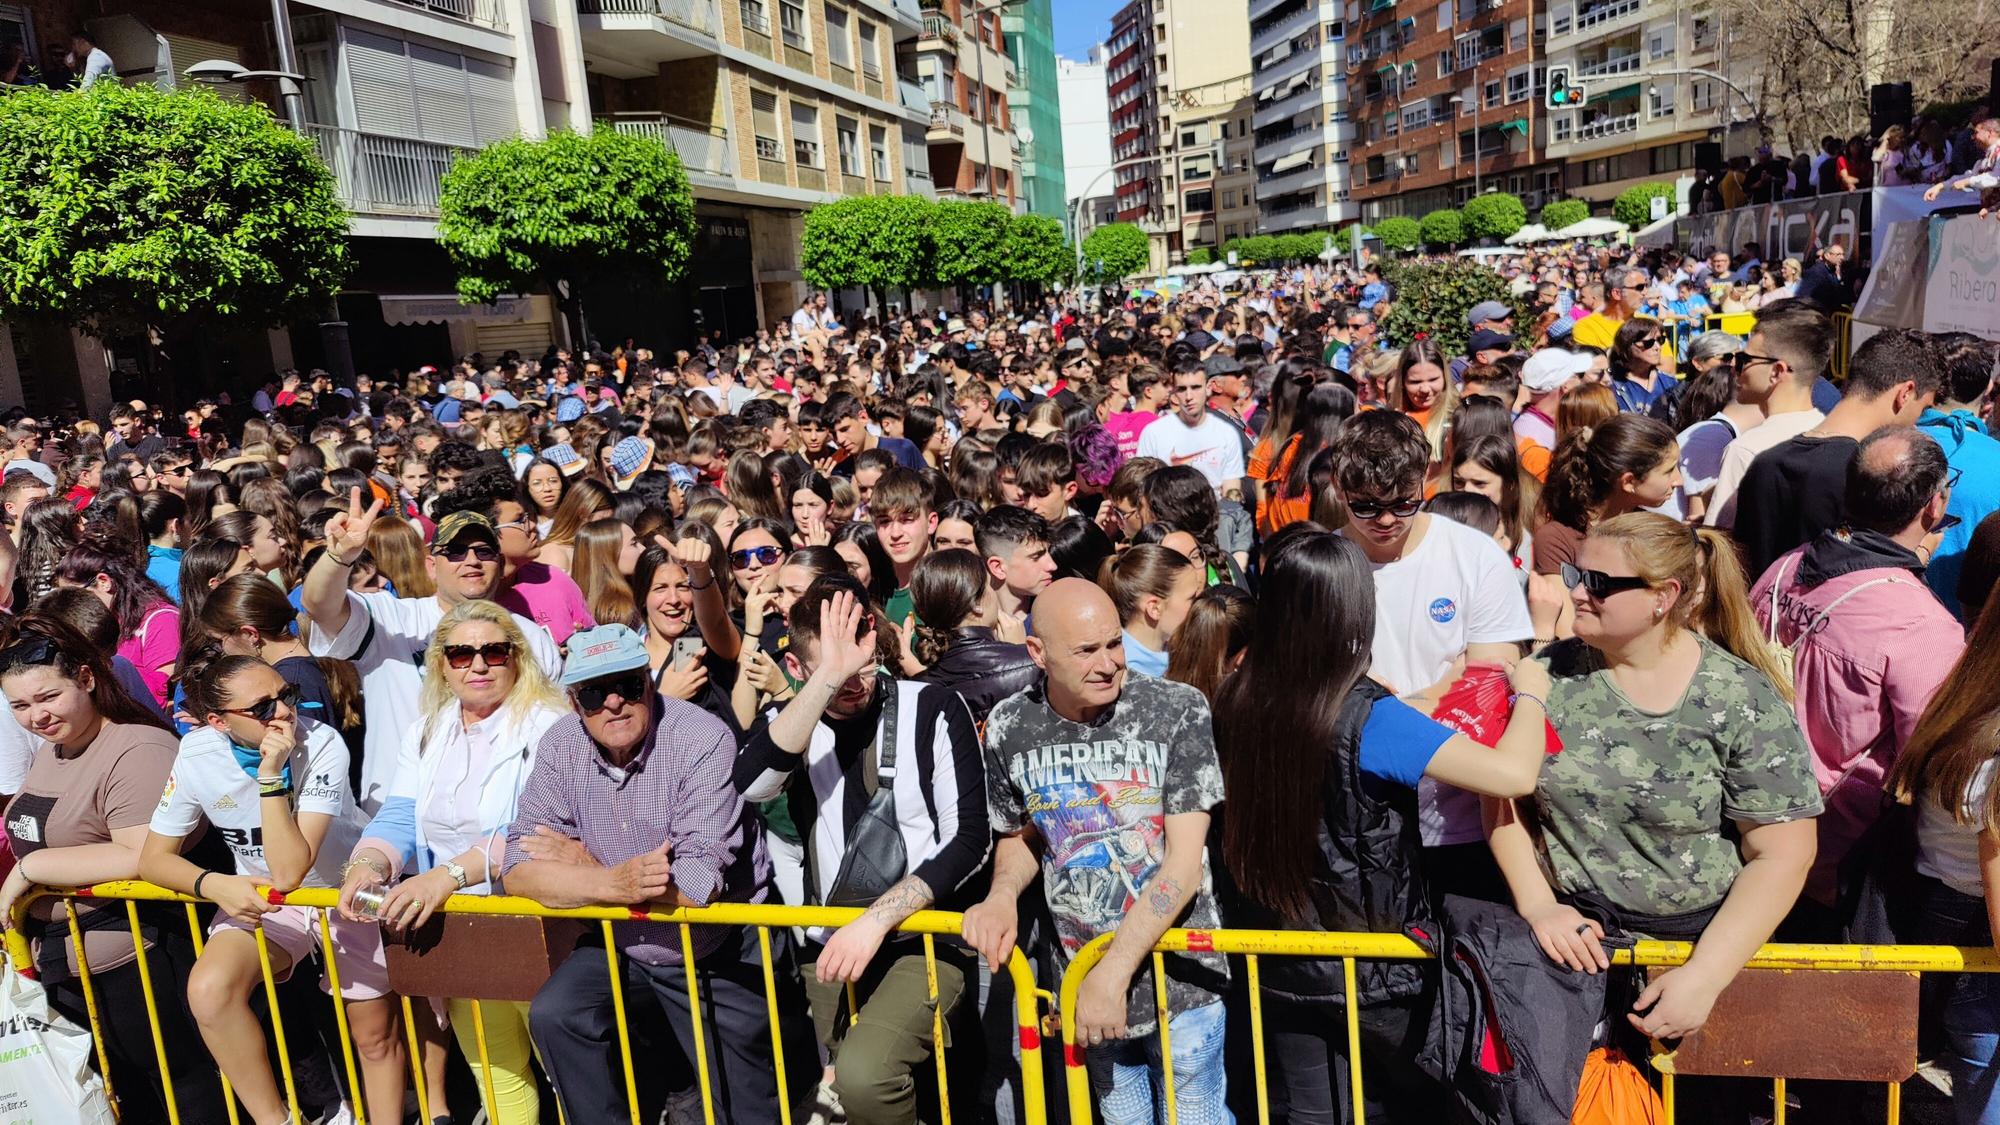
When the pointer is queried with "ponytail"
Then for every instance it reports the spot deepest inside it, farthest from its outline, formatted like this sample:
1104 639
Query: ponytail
1146 571
1590 460
1724 615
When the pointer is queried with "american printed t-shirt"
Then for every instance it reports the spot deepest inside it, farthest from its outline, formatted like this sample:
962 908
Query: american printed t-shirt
1099 795
68 801
209 784
1455 588
1636 806
1215 447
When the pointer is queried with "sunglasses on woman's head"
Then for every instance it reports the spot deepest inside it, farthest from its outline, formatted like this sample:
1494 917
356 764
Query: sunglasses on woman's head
264 710
593 696
484 552
496 655
1598 584
28 652
762 556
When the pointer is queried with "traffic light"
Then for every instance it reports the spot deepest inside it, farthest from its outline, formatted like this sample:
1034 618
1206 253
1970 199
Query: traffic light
1561 93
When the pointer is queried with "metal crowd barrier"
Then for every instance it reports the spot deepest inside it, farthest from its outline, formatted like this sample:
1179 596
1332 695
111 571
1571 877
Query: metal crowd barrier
929 923
1353 948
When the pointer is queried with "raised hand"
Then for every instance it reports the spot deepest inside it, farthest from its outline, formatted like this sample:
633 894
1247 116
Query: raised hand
842 654
347 532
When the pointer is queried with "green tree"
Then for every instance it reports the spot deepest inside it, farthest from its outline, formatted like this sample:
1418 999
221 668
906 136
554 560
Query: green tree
966 241
1036 251
879 242
123 207
1497 215
1433 298
1114 251
1563 213
1634 205
1399 233
1443 227
1346 237
551 212
1200 256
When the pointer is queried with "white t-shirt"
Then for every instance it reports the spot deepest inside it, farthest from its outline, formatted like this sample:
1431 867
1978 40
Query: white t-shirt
1947 850
1215 447
1769 434
1457 588
17 749
386 637
208 784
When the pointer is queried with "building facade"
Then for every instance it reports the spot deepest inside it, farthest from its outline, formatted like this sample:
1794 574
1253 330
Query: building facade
1086 140
1213 171
965 74
1302 122
1034 103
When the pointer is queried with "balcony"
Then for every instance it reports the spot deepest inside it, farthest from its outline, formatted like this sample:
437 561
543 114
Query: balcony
1610 126
380 175
947 121
1281 24
937 25
486 13
1291 179
695 15
1602 15
1285 104
702 148
1624 64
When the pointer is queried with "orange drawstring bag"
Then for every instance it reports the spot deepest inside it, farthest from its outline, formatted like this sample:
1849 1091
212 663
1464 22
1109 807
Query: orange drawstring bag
1614 1092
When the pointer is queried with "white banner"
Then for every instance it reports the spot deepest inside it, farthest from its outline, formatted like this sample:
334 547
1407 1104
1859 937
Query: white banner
1963 294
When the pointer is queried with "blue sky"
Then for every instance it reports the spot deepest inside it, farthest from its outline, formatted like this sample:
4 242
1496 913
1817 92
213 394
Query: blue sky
1082 24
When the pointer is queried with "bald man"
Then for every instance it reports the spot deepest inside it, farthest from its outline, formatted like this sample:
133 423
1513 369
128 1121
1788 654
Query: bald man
1107 776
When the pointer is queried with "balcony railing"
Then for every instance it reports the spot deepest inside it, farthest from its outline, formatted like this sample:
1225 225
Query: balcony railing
937 25
754 17
1605 13
702 148
380 175
948 117
1608 126
695 15
487 13
1625 64
919 183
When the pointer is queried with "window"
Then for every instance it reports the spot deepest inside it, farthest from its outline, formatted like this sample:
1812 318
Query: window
878 151
1199 201
871 51
1411 164
1660 99
838 49
1517 35
1701 95
792 23
805 135
1444 15
1493 94
1563 125
1187 136
764 122
849 134
755 17
1444 63
1229 231
1518 85
407 88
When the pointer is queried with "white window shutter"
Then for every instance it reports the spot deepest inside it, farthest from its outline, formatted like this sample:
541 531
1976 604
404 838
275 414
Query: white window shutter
494 117
444 104
378 76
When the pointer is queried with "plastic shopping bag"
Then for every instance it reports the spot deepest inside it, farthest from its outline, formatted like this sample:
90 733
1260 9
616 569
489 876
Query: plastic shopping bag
1480 703
45 1074
1614 1092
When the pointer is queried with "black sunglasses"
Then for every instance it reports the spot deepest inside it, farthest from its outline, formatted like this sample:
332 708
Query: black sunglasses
1742 360
496 655
484 552
763 556
265 709
29 652
1648 342
593 696
1365 510
1598 584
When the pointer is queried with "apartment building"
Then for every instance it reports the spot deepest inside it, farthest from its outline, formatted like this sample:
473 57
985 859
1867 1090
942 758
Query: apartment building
396 90
1034 104
1214 166
1640 121
1448 101
1131 89
1086 133
1301 118
963 69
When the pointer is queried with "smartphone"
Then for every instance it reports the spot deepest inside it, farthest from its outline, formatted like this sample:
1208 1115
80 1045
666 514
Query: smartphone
685 646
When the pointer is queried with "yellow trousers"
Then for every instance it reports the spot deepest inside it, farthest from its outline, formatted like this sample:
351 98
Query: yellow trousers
505 1068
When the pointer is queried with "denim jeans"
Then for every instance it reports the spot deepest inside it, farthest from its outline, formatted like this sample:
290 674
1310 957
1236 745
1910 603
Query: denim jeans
1971 1007
1130 1086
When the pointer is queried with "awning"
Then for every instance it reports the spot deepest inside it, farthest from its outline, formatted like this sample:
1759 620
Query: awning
1631 91
443 307
1295 160
1298 80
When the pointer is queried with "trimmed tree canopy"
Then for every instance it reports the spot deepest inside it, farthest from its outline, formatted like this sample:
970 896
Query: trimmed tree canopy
1035 250
1442 228
1563 213
1113 251
1200 256
123 206
966 242
521 213
1399 233
1494 216
1634 205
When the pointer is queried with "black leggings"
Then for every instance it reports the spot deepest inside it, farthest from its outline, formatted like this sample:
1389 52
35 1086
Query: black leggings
128 1037
1309 1062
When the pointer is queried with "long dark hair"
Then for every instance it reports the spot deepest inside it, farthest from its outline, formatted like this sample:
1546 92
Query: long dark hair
1321 413
945 588
1953 738
1313 631
133 594
73 652
1217 628
1590 460
1498 455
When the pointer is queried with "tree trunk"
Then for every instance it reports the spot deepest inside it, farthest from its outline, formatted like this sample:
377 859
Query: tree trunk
571 306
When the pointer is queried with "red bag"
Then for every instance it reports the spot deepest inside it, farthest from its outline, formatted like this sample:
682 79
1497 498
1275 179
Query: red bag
1480 704
1614 1092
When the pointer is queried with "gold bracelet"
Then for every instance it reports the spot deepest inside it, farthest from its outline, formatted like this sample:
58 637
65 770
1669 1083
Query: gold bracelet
347 869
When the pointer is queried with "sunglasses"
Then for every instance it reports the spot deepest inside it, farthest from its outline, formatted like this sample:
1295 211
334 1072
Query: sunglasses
484 552
1742 360
264 710
1365 510
593 696
762 556
1598 584
496 655
1648 342
28 652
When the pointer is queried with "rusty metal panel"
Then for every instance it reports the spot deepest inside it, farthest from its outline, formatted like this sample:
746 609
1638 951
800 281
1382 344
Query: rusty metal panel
478 956
1784 1023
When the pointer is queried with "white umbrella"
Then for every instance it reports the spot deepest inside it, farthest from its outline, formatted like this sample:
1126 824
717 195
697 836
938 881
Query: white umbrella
1592 228
1533 232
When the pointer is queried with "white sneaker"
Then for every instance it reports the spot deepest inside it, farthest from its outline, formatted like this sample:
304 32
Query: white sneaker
684 1108
1936 1076
825 1108
342 1116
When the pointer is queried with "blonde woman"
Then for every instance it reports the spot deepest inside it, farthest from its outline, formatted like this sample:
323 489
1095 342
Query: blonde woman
1422 388
589 499
485 706
398 550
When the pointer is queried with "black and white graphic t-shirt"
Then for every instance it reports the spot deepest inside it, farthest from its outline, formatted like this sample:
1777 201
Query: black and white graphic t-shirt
208 784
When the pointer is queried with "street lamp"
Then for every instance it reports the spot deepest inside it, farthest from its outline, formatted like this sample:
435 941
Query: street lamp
1459 100
291 86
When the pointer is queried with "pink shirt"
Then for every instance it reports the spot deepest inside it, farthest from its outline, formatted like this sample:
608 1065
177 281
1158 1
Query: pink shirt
154 647
549 598
1126 428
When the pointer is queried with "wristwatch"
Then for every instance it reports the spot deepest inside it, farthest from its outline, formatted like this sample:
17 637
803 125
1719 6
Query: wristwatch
456 872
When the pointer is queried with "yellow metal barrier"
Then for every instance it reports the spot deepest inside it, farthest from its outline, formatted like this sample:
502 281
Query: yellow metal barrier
928 923
1843 345
1352 948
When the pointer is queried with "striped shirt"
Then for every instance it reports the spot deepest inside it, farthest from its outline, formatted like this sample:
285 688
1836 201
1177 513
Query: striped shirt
678 789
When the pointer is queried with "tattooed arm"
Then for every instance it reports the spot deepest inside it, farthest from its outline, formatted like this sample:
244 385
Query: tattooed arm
848 952
1101 1004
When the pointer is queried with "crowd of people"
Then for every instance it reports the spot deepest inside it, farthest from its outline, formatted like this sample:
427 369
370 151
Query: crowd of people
1927 151
1082 619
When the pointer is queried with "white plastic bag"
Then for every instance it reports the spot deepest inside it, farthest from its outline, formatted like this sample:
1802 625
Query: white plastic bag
45 1074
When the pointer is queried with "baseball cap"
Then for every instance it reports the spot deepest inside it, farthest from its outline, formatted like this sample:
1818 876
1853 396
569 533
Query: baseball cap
34 469
1488 310
629 458
1487 338
603 651
1550 368
465 525
569 409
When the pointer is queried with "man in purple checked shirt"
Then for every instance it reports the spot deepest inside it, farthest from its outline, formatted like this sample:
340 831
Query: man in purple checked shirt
630 801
